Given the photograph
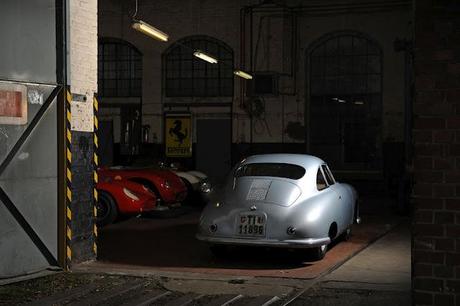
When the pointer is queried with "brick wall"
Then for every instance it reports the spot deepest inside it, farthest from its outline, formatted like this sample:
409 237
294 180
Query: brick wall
82 78
83 46
436 164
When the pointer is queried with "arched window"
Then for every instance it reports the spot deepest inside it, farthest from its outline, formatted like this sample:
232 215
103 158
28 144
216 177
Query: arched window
187 76
119 69
345 94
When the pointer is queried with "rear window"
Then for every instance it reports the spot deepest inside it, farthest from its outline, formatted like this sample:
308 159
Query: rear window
293 172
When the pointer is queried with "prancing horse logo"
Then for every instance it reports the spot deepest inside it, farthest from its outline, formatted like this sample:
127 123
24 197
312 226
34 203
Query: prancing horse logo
176 131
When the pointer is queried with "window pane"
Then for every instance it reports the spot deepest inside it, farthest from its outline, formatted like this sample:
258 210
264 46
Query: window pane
289 171
119 69
320 181
345 95
374 83
374 64
360 64
346 45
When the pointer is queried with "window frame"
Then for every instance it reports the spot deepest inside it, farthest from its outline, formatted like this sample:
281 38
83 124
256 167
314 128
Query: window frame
327 174
131 59
183 49
320 170
370 53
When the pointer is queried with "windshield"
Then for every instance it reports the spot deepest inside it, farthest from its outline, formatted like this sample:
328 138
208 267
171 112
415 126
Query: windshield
293 172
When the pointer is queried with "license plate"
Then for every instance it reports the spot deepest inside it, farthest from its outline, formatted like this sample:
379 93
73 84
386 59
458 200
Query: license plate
251 225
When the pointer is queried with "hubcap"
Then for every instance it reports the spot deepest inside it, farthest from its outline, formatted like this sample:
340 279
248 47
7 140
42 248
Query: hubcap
102 209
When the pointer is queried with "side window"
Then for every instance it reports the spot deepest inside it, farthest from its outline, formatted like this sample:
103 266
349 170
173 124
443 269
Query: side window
320 181
329 178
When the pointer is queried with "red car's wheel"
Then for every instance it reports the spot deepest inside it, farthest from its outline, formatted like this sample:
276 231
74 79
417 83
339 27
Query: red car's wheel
107 210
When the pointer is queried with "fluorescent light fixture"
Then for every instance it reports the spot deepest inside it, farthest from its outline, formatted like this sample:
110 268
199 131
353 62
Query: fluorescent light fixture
339 100
205 57
359 102
243 74
149 30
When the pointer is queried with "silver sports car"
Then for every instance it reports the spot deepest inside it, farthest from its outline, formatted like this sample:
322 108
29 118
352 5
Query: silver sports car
280 200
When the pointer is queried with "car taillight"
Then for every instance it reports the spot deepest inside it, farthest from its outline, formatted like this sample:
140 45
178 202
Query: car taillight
130 194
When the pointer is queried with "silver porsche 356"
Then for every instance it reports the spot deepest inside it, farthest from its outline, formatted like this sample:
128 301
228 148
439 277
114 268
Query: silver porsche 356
280 200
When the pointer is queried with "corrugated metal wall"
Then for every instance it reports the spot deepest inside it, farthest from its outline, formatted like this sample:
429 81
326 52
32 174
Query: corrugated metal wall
29 152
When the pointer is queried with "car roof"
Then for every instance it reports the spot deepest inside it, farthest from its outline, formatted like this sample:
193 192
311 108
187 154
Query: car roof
304 160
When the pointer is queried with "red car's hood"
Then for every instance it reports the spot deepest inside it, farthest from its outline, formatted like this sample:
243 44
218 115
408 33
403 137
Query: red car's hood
153 173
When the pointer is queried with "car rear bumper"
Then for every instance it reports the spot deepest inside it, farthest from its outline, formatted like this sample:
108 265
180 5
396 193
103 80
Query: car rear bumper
290 243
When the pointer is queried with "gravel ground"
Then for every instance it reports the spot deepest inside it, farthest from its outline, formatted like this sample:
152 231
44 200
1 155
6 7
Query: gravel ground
38 288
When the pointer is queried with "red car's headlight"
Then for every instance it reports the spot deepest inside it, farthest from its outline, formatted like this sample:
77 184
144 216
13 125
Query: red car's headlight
167 184
130 194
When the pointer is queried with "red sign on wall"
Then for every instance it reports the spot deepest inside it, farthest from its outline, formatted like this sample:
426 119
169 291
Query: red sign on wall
13 104
10 103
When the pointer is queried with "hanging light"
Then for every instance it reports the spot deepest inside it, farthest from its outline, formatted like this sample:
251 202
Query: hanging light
146 28
243 74
149 30
205 57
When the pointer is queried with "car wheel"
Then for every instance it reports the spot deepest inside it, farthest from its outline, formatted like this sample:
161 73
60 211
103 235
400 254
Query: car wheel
218 250
107 210
346 234
320 252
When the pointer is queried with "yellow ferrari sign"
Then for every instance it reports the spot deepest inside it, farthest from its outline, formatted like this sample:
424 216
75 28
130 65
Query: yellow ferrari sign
178 135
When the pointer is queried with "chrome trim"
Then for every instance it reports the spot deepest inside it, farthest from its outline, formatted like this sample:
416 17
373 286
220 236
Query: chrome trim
290 243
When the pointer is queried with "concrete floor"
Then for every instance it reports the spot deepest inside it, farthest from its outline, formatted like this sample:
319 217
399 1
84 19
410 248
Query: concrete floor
385 264
169 245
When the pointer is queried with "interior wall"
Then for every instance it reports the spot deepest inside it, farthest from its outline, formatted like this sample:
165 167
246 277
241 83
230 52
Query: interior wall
221 19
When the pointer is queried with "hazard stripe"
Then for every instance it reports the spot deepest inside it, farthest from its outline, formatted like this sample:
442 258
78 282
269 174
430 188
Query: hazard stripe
69 253
68 154
69 136
69 175
69 233
95 166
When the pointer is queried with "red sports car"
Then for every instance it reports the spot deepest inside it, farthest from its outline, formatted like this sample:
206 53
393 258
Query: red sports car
167 186
122 197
